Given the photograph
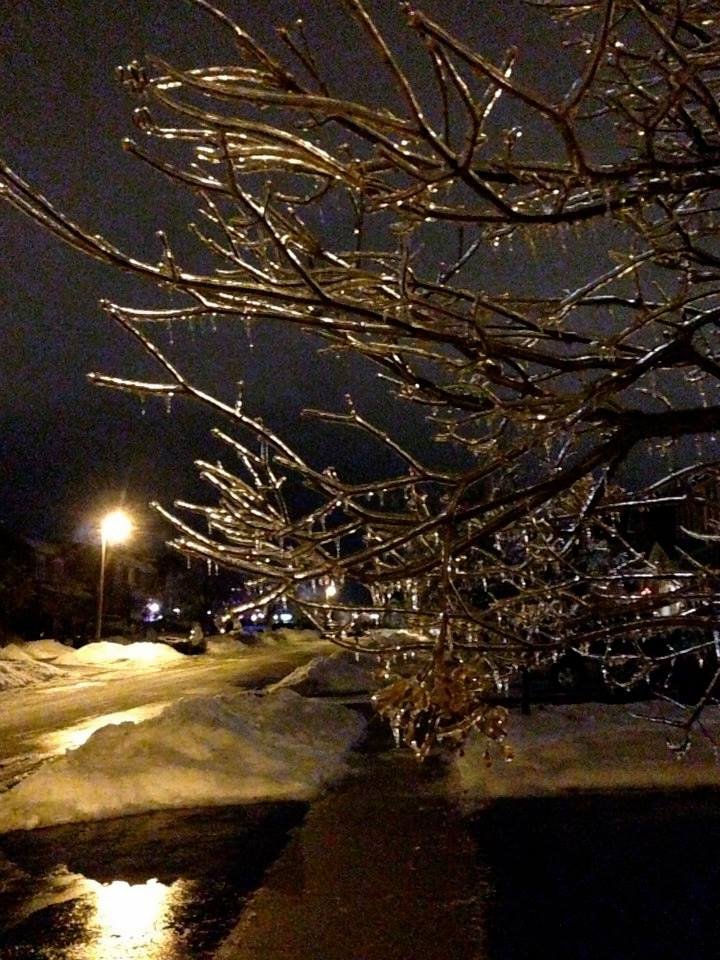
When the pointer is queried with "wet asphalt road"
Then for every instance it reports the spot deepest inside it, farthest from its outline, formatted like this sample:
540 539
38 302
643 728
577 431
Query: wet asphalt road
624 877
582 877
160 886
619 877
44 721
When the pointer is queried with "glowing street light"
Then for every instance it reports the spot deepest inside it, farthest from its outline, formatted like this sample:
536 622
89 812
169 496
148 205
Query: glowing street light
115 527
331 591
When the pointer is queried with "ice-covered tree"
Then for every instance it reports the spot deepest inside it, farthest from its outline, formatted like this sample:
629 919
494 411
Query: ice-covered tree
531 260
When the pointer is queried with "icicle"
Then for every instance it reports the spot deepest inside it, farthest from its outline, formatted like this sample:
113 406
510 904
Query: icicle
249 332
395 727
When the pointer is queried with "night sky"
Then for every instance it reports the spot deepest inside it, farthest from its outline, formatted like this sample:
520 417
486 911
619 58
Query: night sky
67 448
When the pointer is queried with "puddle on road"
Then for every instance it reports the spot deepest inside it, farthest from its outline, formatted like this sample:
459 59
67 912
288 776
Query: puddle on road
161 886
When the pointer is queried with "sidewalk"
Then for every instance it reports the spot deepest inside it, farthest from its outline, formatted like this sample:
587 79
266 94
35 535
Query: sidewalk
595 810
382 869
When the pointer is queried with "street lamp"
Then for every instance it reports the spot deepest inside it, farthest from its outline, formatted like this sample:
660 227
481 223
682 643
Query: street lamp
115 527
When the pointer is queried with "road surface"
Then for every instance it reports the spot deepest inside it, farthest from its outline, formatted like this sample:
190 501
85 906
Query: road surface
42 721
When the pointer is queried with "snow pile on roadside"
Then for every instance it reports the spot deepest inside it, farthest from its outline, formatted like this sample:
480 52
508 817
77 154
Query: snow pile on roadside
227 646
594 746
19 669
23 672
339 673
287 636
106 653
200 751
40 660
13 651
45 649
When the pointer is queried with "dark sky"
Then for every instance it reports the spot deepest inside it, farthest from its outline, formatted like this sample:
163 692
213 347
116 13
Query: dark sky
67 448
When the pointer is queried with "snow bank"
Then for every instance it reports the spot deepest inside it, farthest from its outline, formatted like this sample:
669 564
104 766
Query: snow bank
14 651
200 751
106 652
286 636
563 748
45 649
338 674
41 660
225 647
19 669
234 644
23 672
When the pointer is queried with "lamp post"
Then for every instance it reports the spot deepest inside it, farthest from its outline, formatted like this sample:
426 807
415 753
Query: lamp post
115 527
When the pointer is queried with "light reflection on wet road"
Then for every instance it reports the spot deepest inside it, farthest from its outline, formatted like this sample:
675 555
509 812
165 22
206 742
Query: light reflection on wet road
160 886
134 915
74 736
41 722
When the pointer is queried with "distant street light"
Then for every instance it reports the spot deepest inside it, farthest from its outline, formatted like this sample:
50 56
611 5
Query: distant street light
330 593
115 527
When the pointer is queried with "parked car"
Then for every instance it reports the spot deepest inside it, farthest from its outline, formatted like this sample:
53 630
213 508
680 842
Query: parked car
183 636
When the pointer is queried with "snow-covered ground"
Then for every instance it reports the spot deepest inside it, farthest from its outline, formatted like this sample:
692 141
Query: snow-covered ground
591 746
19 668
339 674
38 661
232 748
105 653
199 751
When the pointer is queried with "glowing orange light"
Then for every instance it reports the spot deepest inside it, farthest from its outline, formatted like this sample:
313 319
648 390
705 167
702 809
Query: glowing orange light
116 527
